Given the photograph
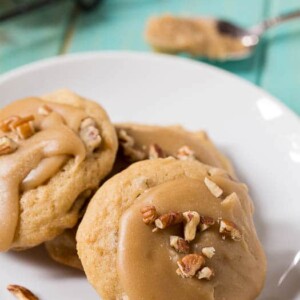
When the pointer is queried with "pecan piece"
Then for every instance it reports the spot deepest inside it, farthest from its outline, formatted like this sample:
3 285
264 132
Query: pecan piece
90 135
168 219
21 292
209 252
191 219
23 127
7 145
155 152
20 121
44 110
127 143
185 153
190 264
149 214
213 187
25 130
206 222
206 273
5 124
179 244
229 229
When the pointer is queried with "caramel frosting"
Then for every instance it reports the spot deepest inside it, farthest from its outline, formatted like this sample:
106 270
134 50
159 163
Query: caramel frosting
147 263
142 138
195 36
53 139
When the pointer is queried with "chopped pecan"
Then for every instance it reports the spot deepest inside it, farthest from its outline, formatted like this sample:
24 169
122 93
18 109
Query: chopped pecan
127 144
185 153
209 252
21 292
125 139
5 124
23 127
44 110
149 214
206 273
169 219
179 244
206 222
155 152
7 145
213 187
25 130
190 264
90 134
191 220
229 229
20 121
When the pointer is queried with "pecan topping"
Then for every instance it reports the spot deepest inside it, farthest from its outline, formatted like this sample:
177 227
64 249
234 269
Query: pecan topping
21 292
179 244
190 264
20 121
206 273
209 252
7 145
229 229
44 110
185 153
127 143
191 219
25 130
206 222
149 214
168 219
213 187
90 134
5 124
155 152
22 126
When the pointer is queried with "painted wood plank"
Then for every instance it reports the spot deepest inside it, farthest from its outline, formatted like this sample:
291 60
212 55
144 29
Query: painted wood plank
34 36
281 76
119 24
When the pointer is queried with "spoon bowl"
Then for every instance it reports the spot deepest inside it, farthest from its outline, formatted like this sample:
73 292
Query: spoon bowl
250 38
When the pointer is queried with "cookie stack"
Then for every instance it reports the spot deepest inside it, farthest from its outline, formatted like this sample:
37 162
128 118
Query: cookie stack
148 212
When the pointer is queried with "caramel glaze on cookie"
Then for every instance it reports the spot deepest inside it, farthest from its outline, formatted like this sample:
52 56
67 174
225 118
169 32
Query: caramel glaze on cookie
140 142
171 229
37 139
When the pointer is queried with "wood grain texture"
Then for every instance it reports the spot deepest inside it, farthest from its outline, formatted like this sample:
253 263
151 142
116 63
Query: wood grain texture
34 36
281 75
119 25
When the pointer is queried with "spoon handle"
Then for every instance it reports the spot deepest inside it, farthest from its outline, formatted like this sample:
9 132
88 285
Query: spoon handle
261 28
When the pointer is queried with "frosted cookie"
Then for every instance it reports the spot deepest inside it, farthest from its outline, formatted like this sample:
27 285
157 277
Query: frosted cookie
53 151
140 142
171 229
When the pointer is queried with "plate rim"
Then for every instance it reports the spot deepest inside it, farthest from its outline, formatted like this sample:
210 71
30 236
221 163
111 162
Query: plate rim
70 57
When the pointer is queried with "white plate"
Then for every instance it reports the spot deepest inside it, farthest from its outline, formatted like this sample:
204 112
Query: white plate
257 132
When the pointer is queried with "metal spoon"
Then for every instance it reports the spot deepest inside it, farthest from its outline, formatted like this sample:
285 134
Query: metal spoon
251 37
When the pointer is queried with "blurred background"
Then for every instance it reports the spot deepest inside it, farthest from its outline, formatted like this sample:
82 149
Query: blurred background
62 26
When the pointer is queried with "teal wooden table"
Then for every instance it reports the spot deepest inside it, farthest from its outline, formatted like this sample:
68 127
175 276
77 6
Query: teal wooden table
119 24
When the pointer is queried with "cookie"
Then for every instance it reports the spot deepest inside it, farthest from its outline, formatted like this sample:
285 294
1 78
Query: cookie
53 151
171 229
63 250
139 142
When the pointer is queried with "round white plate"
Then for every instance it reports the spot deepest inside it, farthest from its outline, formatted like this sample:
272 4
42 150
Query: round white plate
260 135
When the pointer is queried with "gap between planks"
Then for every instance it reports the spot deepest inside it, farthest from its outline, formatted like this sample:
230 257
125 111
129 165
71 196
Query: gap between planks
70 30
